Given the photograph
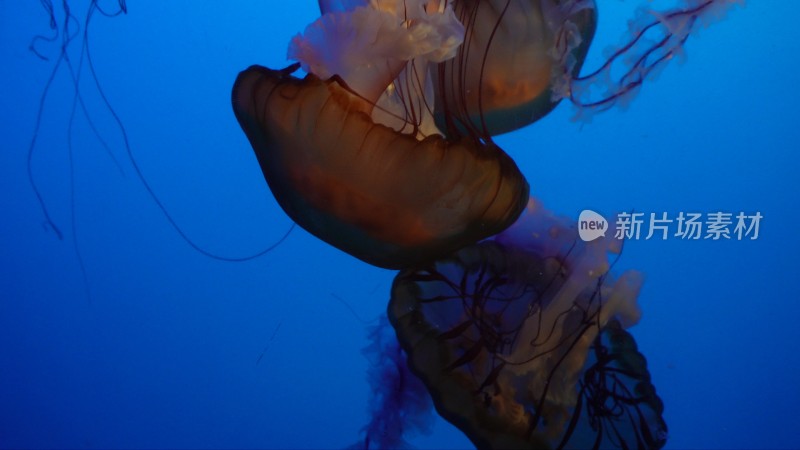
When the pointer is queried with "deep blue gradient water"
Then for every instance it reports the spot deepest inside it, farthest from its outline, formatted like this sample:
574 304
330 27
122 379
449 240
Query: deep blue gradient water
170 348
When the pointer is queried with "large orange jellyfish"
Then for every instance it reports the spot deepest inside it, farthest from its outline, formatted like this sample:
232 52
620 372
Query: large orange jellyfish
385 197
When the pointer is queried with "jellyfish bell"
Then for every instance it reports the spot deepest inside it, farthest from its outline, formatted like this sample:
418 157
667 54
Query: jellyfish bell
384 197
520 340
348 151
514 55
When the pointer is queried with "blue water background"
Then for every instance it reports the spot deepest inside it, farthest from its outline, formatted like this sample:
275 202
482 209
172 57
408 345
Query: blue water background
173 349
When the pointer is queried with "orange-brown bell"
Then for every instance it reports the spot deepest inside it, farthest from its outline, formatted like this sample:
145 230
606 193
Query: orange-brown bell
501 79
379 195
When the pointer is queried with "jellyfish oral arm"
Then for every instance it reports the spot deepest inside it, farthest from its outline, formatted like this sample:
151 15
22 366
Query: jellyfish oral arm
368 46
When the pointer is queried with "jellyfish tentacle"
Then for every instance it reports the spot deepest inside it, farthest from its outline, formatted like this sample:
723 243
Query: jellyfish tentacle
655 39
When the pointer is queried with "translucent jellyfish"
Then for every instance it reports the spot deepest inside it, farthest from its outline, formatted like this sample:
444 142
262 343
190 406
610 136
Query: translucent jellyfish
520 340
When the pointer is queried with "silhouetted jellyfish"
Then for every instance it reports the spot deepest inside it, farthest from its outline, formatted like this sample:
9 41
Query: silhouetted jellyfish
520 340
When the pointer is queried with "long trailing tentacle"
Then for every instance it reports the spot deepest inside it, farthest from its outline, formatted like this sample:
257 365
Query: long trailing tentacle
68 30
